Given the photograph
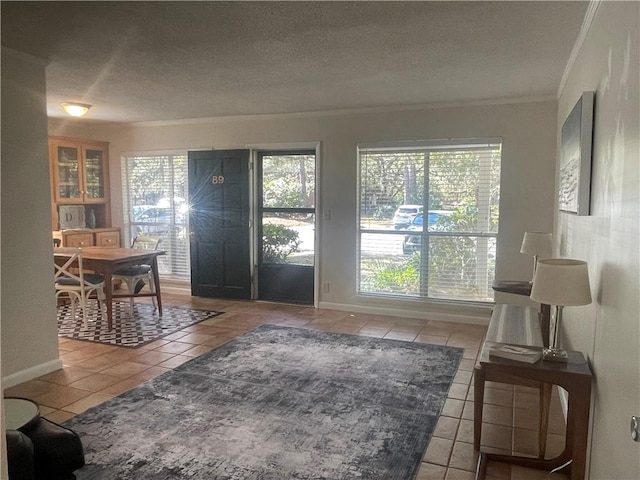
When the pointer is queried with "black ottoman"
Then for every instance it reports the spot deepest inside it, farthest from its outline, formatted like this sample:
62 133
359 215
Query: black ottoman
20 457
58 450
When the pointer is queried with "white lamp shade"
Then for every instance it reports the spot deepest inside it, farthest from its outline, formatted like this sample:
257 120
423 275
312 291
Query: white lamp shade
536 243
561 281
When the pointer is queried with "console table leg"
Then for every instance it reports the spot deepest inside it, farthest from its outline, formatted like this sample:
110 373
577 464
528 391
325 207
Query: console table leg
578 426
543 421
481 467
478 402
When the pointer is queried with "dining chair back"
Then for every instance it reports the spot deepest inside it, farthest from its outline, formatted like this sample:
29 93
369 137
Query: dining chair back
71 280
133 275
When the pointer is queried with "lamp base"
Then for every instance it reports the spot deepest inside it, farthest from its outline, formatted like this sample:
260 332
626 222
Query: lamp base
555 355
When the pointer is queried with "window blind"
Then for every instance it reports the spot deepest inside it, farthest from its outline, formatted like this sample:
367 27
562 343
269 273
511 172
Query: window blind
154 189
428 219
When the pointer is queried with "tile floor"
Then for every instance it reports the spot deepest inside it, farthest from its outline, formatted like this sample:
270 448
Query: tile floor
94 373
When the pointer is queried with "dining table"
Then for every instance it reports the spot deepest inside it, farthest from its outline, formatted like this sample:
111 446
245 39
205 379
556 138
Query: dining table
107 260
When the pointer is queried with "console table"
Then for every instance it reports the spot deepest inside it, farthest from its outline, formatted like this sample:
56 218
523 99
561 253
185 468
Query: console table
574 376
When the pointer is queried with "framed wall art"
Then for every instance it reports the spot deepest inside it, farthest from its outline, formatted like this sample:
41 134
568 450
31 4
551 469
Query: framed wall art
575 157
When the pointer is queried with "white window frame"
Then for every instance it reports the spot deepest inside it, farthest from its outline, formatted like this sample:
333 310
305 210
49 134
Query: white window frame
419 146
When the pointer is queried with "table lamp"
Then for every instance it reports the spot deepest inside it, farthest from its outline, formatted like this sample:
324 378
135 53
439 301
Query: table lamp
536 244
561 282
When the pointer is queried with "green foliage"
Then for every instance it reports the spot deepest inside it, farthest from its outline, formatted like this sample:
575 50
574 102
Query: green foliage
390 179
288 181
278 242
393 277
453 258
151 178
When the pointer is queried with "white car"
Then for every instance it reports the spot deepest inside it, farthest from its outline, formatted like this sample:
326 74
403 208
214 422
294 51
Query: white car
405 214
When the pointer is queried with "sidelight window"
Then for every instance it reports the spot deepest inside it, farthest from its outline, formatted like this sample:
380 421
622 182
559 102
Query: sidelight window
154 190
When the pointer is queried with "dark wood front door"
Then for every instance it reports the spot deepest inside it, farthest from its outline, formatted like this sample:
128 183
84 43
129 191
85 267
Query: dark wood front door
219 223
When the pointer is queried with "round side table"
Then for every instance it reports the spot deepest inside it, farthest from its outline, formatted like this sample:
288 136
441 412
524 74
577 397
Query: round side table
20 413
56 451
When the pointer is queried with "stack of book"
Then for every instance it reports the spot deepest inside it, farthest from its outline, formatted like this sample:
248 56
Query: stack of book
519 354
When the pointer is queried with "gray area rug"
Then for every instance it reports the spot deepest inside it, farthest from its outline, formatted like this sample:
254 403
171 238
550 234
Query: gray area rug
277 403
144 326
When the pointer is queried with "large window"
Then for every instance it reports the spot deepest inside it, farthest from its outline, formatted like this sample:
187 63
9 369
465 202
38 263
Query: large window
428 219
154 189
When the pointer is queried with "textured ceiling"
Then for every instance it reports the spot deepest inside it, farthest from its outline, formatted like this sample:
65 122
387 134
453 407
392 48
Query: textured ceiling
146 61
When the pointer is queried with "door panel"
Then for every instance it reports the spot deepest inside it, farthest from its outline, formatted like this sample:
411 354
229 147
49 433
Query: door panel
219 223
286 283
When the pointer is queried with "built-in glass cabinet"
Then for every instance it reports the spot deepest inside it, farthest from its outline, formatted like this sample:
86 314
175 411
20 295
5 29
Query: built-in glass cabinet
79 172
80 176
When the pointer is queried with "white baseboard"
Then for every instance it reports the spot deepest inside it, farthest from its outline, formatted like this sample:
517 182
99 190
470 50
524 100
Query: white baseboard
176 287
31 373
421 314
477 315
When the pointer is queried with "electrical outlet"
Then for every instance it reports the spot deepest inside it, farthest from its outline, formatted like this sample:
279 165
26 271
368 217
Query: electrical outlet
635 428
327 214
326 287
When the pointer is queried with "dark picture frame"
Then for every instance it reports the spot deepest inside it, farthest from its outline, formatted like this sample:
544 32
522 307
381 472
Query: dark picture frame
574 194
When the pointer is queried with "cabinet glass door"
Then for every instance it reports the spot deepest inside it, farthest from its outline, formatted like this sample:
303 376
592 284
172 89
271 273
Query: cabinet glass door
94 175
68 176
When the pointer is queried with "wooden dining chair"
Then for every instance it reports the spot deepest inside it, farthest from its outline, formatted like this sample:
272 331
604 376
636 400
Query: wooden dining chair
132 276
71 280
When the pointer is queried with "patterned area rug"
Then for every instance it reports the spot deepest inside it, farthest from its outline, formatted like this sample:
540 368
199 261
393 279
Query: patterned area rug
144 326
277 403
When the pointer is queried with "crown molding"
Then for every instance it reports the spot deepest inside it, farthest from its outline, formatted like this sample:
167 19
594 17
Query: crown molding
349 111
582 35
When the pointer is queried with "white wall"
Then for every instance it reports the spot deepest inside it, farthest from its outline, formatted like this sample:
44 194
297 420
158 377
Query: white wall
608 331
529 142
29 330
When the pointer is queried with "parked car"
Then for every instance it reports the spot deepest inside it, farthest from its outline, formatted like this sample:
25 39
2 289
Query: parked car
405 214
435 222
155 215
136 210
160 220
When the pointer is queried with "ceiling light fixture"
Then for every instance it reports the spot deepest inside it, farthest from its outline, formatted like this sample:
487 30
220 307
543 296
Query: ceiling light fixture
76 109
